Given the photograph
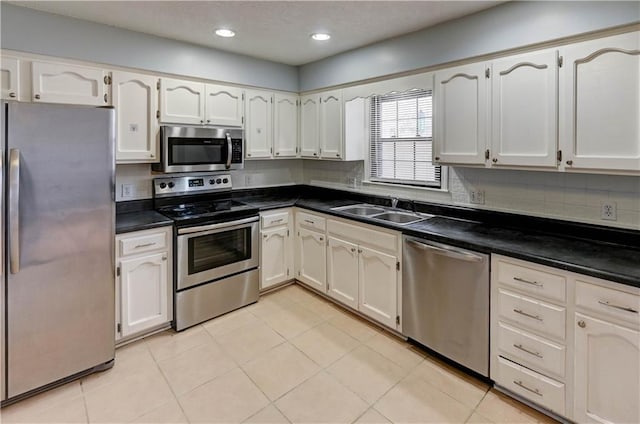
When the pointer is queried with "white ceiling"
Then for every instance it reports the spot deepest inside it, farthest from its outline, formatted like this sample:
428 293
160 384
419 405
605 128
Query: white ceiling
272 30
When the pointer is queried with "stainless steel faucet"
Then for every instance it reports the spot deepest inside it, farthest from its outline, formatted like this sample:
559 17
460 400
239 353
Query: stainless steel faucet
394 202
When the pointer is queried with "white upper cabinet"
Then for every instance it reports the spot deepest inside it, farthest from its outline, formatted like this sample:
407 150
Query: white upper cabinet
309 126
331 123
135 99
182 102
460 114
223 105
64 83
356 127
10 78
524 118
258 128
600 105
285 129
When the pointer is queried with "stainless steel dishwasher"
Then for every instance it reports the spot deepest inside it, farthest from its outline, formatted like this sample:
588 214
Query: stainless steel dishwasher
445 301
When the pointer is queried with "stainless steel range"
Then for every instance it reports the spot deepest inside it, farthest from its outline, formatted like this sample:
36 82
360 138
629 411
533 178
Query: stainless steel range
216 246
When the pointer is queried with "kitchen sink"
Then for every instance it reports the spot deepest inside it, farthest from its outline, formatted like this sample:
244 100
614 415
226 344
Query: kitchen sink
362 210
402 218
383 214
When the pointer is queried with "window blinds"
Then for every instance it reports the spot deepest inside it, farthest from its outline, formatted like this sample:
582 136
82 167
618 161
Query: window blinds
401 139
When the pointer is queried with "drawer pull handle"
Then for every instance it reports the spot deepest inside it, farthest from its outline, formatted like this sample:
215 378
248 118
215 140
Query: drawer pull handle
308 221
622 308
533 283
530 352
275 221
519 311
521 384
138 246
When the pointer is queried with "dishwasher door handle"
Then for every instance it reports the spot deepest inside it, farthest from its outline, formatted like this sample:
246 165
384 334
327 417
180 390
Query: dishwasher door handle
440 249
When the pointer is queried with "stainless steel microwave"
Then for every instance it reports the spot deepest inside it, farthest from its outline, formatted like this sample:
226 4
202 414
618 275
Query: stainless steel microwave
196 149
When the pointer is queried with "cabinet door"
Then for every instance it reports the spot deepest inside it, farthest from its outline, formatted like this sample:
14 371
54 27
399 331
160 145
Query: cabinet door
601 104
285 141
309 126
223 105
135 98
275 266
144 293
62 83
258 131
342 271
312 259
607 372
524 128
181 102
378 281
331 121
10 78
461 114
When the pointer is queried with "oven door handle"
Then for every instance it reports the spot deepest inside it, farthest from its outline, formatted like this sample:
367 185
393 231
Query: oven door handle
229 151
209 227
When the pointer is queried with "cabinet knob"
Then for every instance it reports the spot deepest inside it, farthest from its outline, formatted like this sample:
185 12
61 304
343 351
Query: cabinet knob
248 154
494 160
151 155
437 158
265 236
359 250
208 121
202 121
277 153
353 249
569 162
321 239
582 324
315 154
164 257
37 97
12 94
337 155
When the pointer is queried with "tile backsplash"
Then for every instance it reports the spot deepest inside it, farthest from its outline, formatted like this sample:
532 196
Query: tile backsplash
573 197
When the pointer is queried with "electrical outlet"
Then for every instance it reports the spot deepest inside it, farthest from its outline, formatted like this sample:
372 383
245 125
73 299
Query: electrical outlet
477 197
128 190
351 182
248 180
608 211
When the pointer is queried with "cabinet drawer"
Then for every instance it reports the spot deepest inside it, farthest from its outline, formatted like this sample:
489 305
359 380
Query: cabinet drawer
609 302
531 385
311 221
274 219
364 236
531 279
536 352
533 314
143 243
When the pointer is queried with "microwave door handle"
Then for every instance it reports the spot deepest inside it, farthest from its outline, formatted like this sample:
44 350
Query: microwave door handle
229 151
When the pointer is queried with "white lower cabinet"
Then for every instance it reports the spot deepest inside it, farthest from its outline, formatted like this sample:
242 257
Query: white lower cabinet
276 248
378 283
578 358
143 282
311 251
342 271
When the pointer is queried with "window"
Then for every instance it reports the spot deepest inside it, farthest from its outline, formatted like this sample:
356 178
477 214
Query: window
401 143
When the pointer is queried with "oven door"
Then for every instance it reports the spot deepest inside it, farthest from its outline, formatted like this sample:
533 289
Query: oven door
210 252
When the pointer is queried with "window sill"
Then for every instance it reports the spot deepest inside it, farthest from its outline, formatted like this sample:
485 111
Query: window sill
406 187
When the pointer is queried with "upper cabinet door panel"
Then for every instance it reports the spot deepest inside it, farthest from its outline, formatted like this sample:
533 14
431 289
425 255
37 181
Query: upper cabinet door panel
461 115
602 104
63 83
285 132
223 105
258 130
181 102
135 99
309 128
525 110
331 117
10 78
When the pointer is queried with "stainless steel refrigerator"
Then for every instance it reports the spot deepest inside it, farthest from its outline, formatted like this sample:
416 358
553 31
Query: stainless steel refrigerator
58 215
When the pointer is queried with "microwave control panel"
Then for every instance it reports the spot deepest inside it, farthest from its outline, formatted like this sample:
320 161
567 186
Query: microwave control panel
236 151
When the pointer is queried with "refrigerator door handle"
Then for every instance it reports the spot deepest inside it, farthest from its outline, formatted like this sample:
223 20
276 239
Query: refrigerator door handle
14 212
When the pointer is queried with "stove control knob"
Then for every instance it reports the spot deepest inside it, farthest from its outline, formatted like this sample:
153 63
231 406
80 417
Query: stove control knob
225 180
163 185
171 185
212 181
218 181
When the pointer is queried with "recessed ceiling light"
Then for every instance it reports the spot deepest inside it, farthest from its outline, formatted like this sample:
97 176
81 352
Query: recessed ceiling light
225 33
319 36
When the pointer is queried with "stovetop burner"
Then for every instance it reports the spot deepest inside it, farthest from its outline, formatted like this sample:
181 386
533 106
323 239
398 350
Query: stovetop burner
207 211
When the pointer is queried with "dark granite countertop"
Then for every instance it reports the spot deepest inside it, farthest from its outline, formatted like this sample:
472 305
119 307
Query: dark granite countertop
140 220
591 250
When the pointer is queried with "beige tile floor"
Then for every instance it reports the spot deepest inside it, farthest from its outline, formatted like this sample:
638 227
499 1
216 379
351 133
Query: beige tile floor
292 357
